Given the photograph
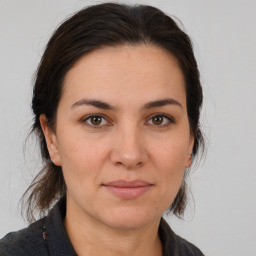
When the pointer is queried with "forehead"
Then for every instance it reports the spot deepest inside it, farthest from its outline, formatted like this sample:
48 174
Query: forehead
118 72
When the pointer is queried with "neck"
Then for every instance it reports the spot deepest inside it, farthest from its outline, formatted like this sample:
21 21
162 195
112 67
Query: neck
89 237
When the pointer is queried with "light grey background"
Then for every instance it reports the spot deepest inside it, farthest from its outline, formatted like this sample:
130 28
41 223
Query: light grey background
223 221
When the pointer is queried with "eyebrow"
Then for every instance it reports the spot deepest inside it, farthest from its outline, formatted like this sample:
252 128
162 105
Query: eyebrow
161 103
95 103
103 105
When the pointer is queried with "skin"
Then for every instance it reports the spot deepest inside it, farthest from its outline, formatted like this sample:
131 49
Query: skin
130 141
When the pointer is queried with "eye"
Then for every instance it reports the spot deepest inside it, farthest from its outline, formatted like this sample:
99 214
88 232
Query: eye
95 120
160 120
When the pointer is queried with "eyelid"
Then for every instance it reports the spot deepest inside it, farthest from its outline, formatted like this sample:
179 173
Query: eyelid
170 119
164 115
86 118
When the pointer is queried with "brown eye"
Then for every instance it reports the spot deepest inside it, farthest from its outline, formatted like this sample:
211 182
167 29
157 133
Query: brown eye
157 120
160 120
96 120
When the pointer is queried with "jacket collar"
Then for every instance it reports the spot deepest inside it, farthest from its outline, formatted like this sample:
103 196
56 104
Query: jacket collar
58 243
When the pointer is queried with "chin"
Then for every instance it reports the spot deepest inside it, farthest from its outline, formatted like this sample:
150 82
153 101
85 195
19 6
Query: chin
130 218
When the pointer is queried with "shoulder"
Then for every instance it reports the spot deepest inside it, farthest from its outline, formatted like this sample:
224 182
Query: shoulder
174 244
187 248
25 242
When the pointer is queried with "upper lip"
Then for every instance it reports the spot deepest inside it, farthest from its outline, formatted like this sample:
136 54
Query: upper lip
127 184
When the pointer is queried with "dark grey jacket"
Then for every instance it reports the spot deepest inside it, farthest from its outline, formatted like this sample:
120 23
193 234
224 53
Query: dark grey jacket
48 237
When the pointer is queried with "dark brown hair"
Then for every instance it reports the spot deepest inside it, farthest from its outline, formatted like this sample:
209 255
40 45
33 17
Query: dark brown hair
107 24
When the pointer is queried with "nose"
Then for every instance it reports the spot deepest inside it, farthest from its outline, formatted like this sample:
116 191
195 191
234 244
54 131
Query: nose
129 149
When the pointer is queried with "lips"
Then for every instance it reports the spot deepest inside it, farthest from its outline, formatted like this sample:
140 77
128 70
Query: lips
128 189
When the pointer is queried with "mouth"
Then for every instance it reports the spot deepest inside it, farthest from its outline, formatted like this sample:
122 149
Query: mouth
128 189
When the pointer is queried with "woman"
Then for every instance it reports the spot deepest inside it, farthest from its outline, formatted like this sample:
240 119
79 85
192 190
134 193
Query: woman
116 100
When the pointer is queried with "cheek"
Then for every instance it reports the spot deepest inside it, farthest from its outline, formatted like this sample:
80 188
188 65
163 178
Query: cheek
171 155
172 172
81 160
170 159
77 147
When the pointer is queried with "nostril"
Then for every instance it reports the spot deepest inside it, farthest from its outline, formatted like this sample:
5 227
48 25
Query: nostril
127 165
119 163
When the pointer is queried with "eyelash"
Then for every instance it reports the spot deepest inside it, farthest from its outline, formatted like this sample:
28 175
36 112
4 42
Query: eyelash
89 118
85 120
170 120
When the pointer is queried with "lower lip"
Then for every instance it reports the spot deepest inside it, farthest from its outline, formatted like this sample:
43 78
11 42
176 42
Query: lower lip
128 193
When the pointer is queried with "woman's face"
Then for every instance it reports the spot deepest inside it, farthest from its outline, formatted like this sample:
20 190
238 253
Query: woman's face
122 135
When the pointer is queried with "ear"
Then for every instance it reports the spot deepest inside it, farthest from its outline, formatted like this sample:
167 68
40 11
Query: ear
190 149
51 140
